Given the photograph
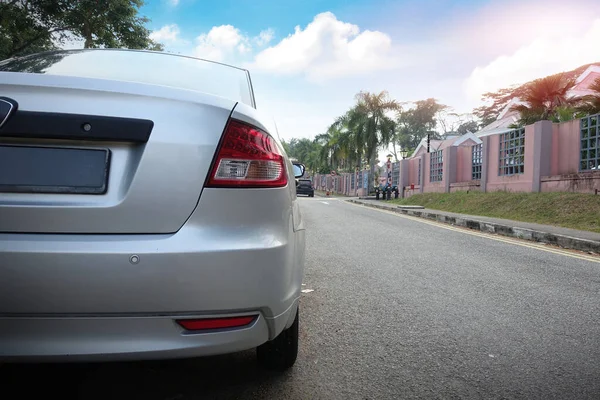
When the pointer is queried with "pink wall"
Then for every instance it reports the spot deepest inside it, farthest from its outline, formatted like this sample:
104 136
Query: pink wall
581 183
565 148
515 183
464 186
558 156
435 187
464 163
413 172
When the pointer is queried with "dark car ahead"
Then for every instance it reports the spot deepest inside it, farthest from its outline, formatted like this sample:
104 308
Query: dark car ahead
304 186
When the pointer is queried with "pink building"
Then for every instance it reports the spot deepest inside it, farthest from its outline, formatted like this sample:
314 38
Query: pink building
542 157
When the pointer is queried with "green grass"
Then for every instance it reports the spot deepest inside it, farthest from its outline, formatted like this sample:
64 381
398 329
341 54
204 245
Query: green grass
569 210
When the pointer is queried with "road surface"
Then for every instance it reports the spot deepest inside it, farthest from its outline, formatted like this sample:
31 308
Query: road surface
399 308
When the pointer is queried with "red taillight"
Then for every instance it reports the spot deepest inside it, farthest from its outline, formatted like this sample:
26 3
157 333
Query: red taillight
215 323
248 157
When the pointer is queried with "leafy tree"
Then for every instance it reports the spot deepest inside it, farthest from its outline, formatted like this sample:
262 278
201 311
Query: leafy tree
23 27
495 103
468 126
416 123
290 147
29 26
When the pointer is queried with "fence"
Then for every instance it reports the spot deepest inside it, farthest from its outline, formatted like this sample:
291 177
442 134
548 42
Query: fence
543 157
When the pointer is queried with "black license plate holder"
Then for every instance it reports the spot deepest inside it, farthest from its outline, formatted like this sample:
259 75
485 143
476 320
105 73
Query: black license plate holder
36 169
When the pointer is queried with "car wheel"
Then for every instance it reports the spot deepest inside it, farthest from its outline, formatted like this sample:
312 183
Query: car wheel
312 195
280 353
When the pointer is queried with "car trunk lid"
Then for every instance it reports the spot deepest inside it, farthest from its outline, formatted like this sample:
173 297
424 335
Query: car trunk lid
87 155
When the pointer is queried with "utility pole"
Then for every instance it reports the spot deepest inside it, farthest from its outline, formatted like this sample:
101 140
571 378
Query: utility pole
428 141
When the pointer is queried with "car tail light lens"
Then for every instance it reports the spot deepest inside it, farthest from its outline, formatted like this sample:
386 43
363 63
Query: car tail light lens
247 157
215 323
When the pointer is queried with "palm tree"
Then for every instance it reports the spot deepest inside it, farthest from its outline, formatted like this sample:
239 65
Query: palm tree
590 104
303 148
323 140
371 119
349 140
544 97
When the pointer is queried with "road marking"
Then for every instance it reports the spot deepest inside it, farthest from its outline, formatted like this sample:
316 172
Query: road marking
307 290
324 202
505 239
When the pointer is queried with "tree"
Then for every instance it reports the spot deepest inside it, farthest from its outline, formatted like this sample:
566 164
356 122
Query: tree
29 26
370 115
450 122
23 27
543 98
497 101
290 147
416 123
590 104
354 124
468 126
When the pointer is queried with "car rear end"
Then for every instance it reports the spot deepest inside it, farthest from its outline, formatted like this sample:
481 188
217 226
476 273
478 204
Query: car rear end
305 187
141 220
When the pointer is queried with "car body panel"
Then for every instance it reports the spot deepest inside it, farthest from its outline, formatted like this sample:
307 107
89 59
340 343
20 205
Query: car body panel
117 338
226 257
137 170
150 68
86 278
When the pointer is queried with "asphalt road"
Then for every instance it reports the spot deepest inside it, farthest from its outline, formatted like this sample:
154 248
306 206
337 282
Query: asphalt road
401 308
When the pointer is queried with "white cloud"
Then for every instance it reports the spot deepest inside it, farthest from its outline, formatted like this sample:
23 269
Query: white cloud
326 48
545 55
173 3
166 34
228 43
221 43
265 37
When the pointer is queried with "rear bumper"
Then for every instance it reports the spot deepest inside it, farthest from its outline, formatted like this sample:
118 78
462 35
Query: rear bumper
115 296
124 338
305 191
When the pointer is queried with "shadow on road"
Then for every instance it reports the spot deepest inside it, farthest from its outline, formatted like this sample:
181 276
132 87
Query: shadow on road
229 376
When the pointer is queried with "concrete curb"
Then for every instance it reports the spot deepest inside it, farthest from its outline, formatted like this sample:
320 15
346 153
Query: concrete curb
563 241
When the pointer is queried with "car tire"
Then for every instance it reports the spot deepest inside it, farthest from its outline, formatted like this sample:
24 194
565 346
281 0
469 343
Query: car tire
311 195
280 353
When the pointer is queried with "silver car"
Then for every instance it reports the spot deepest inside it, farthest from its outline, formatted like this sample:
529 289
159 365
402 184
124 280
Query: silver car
147 211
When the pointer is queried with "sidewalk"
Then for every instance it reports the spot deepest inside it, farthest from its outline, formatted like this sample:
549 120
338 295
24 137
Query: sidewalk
563 237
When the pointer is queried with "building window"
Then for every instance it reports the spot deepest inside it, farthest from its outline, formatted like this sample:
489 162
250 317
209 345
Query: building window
395 173
419 174
590 143
512 152
436 166
477 160
352 182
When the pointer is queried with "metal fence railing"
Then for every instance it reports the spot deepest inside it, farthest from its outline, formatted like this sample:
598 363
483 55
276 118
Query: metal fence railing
589 159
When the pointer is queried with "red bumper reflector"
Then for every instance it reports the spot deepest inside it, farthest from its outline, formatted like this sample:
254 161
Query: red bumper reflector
215 323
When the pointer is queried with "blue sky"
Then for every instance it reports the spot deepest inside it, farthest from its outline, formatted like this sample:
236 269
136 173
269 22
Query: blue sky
308 58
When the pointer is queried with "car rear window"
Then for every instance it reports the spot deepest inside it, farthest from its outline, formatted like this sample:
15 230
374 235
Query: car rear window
142 67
